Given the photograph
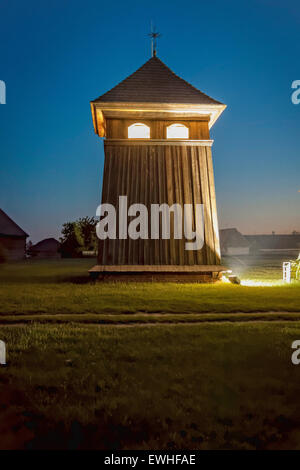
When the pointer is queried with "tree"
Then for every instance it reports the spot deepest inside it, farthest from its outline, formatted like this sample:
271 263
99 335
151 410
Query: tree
78 236
295 266
70 247
87 232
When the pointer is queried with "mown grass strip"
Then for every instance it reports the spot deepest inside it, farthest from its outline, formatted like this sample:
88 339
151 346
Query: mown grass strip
153 318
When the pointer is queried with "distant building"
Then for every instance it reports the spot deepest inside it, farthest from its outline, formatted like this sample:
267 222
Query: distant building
275 243
232 242
12 239
47 248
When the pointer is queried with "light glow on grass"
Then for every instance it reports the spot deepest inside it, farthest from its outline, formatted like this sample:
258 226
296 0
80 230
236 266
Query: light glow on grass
255 283
252 283
48 287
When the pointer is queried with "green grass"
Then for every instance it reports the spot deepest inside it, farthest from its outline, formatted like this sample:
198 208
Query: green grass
209 386
33 288
212 370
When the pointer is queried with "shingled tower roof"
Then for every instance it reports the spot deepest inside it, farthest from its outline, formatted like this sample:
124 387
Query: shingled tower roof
154 82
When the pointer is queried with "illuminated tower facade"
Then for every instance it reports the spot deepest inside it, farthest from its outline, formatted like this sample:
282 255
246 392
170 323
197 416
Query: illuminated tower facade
156 130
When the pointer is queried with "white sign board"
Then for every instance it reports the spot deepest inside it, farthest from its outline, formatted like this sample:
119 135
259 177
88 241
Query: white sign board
287 271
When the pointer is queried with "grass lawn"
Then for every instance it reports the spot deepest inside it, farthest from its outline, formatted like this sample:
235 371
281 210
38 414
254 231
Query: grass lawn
62 288
209 386
222 380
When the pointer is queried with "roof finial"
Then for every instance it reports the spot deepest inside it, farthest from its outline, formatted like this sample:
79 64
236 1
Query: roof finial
153 35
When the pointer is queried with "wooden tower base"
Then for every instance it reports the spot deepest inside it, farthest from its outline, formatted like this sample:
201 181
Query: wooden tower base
207 274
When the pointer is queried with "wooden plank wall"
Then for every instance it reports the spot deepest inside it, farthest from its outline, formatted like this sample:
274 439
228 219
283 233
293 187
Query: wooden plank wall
13 248
118 128
159 174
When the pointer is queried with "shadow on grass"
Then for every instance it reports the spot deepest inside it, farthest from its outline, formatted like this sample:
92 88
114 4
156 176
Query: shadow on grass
31 431
71 271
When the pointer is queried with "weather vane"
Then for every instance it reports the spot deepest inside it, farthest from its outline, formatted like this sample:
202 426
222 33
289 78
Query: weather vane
154 35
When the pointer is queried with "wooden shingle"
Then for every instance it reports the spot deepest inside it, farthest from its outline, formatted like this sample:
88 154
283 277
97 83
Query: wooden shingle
154 82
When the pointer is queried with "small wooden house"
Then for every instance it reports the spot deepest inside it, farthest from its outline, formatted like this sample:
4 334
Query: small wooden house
45 249
12 239
156 130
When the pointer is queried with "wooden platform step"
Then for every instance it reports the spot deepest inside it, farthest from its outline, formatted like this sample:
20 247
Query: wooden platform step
153 273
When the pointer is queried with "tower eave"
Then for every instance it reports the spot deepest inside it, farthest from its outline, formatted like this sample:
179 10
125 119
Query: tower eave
128 110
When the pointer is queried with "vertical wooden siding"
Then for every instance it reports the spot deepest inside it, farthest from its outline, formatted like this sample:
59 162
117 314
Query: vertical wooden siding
159 174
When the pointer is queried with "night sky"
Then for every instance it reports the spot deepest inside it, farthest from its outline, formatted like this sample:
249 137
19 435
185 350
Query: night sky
56 56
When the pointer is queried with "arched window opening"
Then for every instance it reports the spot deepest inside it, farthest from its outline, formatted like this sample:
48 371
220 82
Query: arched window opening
138 131
177 131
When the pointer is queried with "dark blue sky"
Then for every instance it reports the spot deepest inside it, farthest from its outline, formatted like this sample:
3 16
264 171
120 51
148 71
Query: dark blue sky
55 56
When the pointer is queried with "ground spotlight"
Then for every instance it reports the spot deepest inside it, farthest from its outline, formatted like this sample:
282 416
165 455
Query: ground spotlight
234 279
229 277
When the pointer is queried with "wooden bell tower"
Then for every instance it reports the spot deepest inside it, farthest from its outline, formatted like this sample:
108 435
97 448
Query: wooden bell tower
157 145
